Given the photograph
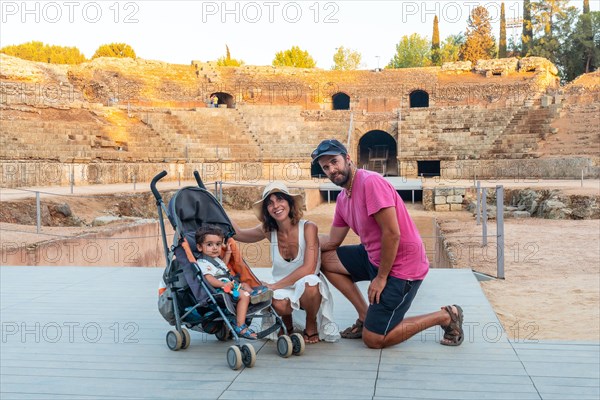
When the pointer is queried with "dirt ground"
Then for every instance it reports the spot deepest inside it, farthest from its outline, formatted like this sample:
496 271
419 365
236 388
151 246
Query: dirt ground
552 267
552 274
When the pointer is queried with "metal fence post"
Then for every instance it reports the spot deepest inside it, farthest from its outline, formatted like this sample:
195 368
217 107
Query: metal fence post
500 231
478 205
484 216
221 192
72 179
440 255
38 212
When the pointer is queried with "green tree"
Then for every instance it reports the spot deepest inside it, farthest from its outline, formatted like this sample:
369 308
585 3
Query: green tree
480 43
582 49
227 61
502 41
553 24
591 48
436 58
546 14
346 59
38 51
412 51
119 50
450 50
527 35
294 57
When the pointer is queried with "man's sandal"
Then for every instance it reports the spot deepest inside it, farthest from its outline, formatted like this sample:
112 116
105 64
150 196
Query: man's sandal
453 333
354 331
245 332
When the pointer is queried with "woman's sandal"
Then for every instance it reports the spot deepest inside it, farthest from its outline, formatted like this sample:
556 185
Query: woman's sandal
245 332
453 333
309 339
354 331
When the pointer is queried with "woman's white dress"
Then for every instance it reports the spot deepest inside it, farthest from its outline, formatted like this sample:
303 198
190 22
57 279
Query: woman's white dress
328 330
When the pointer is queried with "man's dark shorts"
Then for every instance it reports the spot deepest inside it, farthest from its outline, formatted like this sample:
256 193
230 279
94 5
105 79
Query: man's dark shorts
396 298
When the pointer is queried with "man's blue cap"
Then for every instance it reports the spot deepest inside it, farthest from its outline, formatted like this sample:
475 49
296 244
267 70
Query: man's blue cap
328 147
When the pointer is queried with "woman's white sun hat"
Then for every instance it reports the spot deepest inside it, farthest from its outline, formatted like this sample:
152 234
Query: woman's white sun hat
275 187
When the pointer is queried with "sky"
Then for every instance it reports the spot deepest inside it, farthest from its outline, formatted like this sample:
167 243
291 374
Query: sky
181 31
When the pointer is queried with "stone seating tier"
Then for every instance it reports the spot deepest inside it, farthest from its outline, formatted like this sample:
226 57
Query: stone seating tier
465 133
255 133
575 131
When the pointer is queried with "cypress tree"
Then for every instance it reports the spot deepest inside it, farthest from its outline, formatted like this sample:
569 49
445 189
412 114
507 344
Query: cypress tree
435 42
527 34
588 32
502 42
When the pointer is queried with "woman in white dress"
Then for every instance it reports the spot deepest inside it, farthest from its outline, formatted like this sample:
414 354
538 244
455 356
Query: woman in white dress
296 256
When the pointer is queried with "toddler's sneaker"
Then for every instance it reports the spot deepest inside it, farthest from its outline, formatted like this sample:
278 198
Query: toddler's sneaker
260 294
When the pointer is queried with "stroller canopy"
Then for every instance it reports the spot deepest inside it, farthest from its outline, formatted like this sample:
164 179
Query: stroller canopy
193 207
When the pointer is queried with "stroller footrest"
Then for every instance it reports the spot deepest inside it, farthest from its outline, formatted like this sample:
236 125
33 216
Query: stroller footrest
257 308
268 331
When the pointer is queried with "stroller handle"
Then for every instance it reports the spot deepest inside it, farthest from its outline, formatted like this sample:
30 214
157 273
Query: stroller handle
154 182
199 180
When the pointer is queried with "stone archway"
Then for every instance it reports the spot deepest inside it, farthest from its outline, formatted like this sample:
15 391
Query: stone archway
340 101
419 99
225 98
378 151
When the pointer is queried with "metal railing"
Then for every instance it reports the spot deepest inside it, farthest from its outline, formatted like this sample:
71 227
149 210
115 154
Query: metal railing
440 255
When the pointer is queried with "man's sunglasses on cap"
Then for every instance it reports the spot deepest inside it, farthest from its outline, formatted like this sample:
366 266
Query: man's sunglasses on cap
328 147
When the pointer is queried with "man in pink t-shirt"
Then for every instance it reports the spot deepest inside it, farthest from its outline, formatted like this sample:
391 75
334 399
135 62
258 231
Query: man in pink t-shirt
391 256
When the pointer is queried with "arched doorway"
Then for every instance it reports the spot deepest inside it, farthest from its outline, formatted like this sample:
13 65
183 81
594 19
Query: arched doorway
419 99
224 98
378 151
341 101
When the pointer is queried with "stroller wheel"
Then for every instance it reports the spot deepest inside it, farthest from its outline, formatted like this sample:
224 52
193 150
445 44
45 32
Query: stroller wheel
223 334
248 355
234 357
174 340
187 339
284 346
297 344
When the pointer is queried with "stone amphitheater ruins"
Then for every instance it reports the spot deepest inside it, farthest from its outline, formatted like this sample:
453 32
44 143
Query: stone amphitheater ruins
109 120
114 121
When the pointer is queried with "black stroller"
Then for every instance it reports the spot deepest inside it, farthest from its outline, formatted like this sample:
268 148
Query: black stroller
186 298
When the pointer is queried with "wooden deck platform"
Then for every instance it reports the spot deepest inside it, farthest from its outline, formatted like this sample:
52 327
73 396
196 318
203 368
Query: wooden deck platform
79 333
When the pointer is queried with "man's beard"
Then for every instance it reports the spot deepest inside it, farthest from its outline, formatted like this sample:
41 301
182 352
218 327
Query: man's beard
345 177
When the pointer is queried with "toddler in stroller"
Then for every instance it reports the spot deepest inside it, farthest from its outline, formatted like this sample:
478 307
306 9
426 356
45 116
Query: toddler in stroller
188 297
209 242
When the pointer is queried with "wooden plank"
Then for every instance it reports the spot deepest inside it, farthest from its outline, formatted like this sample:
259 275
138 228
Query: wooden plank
465 394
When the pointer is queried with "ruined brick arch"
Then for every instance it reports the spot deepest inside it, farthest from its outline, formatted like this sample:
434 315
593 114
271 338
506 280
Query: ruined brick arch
419 99
340 101
377 150
225 98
